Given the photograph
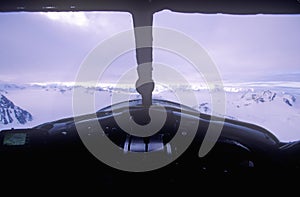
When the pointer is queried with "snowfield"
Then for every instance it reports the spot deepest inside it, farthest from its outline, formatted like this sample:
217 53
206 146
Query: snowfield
274 106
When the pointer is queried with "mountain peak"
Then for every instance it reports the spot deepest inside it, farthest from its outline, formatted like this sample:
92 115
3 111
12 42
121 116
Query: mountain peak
10 113
289 99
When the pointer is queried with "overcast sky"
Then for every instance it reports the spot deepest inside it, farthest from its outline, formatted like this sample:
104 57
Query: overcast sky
43 47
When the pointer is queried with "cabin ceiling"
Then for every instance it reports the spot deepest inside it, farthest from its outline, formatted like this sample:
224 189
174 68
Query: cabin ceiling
188 6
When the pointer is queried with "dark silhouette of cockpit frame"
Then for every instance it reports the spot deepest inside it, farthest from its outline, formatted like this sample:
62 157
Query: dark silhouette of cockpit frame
137 8
132 6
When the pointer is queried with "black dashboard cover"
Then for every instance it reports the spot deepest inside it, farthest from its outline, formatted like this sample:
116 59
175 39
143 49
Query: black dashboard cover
54 149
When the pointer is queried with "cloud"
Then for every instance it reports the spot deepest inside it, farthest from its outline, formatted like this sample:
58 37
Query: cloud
242 43
43 47
51 46
103 23
73 18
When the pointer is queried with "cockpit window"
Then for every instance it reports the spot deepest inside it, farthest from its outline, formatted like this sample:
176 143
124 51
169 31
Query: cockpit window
256 56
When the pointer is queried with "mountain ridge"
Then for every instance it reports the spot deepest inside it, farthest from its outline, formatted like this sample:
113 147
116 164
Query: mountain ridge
11 113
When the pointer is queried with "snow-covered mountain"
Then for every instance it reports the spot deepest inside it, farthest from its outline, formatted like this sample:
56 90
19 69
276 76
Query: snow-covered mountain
10 113
273 105
274 109
254 99
250 97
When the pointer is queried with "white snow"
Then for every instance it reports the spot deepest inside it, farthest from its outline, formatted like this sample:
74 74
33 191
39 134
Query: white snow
266 106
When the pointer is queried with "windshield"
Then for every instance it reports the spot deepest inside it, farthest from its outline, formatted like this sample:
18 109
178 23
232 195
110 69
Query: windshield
255 55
